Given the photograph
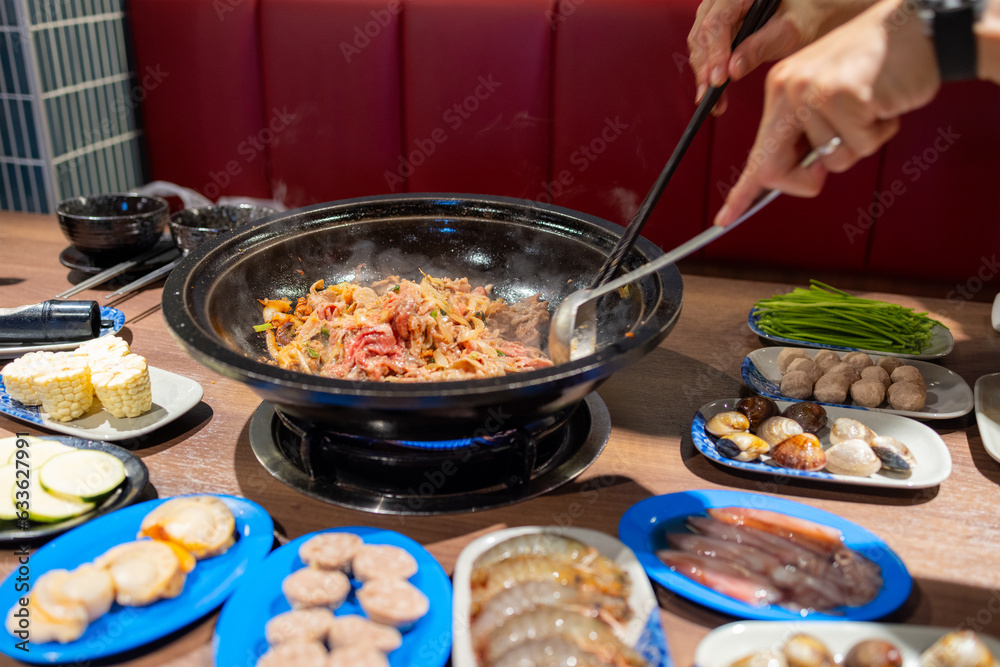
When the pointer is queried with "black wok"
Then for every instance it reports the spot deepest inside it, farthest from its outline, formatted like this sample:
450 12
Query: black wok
520 247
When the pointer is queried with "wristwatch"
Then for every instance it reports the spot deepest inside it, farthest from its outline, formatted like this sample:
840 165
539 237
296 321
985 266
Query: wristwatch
949 23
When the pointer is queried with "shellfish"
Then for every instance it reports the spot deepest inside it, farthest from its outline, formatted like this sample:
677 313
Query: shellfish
962 648
895 456
845 428
873 653
852 457
742 446
800 452
757 409
805 650
776 429
725 423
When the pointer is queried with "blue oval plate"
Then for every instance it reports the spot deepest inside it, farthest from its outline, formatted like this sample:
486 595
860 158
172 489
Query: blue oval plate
124 628
114 317
642 529
239 634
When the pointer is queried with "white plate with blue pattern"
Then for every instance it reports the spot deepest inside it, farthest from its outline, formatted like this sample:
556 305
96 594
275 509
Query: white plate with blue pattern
115 321
643 632
173 395
928 449
948 395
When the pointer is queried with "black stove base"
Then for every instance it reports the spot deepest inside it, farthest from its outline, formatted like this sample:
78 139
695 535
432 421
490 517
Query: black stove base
430 478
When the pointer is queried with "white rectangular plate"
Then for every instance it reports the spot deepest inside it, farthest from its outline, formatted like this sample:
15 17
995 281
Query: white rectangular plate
644 631
929 450
173 395
948 395
728 643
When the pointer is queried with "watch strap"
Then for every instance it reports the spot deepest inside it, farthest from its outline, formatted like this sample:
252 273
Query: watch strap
955 42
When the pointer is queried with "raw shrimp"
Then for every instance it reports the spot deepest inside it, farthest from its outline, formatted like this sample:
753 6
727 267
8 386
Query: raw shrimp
551 652
809 534
487 582
728 579
587 633
530 595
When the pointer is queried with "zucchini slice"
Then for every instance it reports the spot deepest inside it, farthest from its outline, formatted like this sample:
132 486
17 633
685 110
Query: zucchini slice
82 475
40 451
47 508
7 478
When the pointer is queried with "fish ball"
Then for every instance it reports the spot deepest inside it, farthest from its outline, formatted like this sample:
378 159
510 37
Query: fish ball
868 393
847 370
906 395
808 366
797 384
858 359
832 388
876 373
790 354
826 358
907 374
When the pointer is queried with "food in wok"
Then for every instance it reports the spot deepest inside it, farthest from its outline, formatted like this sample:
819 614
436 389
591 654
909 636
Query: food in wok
398 330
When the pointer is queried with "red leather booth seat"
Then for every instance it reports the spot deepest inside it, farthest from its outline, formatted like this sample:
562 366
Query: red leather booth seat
574 102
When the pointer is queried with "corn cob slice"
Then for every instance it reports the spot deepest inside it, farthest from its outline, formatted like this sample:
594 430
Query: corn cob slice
65 387
18 376
102 352
122 386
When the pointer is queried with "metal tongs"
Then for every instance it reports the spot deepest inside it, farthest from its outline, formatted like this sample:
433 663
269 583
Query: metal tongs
573 332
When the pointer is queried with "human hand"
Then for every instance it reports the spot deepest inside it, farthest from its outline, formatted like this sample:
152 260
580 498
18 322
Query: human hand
854 84
795 24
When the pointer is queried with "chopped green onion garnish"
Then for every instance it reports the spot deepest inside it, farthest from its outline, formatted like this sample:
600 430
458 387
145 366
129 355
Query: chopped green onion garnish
312 353
323 330
262 327
434 313
500 354
396 289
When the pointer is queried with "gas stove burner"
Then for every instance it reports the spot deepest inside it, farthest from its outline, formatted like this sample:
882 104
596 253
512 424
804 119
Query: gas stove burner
430 477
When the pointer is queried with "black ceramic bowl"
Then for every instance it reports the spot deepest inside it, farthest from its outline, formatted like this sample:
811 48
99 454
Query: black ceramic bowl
521 247
193 226
110 226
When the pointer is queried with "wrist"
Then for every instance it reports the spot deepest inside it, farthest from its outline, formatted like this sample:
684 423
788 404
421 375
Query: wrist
987 32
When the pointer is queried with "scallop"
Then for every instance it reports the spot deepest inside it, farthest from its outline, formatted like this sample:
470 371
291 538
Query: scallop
895 456
800 452
203 525
145 571
804 650
962 648
742 446
725 423
852 457
776 429
873 653
845 428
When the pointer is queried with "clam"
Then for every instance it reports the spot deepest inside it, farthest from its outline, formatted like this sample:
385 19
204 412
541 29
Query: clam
962 648
742 446
873 653
757 409
852 457
725 423
810 416
850 429
895 456
800 452
776 429
804 650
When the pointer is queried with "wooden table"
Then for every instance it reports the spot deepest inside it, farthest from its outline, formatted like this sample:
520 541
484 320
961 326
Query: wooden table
949 536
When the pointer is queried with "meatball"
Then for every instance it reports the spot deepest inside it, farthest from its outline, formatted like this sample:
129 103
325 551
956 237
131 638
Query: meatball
826 358
907 374
788 355
832 388
876 373
889 364
808 366
847 370
858 359
908 396
797 384
868 393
